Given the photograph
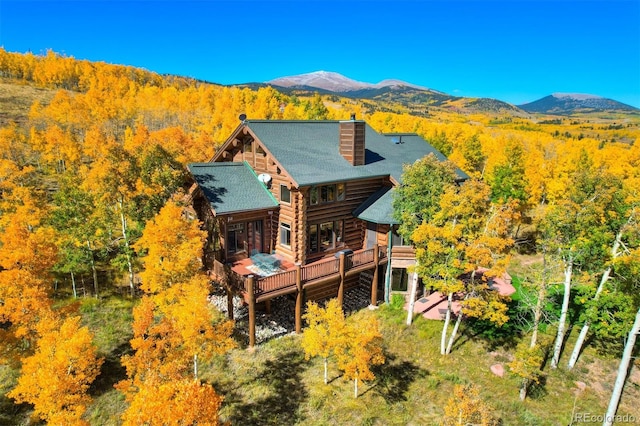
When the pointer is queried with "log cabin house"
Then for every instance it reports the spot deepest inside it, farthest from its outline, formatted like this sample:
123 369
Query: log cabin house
305 208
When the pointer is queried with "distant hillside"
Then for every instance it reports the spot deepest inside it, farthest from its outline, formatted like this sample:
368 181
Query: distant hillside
571 103
418 100
337 83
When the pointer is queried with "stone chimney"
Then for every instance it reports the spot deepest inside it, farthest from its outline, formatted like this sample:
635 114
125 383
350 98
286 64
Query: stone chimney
352 141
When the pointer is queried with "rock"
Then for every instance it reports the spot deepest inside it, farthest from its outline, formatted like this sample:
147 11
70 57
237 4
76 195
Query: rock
497 369
281 321
581 385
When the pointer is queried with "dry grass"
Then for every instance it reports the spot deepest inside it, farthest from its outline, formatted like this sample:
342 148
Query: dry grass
16 100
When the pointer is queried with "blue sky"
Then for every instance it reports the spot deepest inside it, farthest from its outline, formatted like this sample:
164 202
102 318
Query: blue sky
516 51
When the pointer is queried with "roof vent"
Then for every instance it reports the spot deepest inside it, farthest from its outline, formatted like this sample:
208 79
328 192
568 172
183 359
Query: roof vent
396 139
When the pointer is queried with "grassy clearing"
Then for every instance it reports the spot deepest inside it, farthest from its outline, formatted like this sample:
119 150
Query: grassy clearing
273 384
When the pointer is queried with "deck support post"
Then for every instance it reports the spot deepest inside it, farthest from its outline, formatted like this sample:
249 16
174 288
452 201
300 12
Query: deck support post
342 276
229 301
267 307
252 310
299 298
374 281
387 279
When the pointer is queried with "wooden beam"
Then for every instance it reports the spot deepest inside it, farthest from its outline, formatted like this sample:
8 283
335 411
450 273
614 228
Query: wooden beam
342 275
374 282
252 310
229 302
299 298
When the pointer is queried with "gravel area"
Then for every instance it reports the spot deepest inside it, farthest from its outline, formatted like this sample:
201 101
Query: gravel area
281 321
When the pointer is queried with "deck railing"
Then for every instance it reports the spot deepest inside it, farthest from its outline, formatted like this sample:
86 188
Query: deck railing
308 273
276 282
321 269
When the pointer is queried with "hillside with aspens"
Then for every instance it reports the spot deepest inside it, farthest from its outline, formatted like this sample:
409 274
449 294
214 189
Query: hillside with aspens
92 167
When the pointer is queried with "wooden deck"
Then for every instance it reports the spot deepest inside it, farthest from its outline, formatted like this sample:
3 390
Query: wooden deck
255 288
292 277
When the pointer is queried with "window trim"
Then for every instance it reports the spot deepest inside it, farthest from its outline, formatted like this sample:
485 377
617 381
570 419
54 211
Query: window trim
285 227
283 190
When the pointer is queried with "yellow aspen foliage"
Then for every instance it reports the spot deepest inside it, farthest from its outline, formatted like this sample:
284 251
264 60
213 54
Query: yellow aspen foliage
527 364
56 378
177 402
24 244
198 332
466 407
155 352
25 302
325 332
360 349
172 247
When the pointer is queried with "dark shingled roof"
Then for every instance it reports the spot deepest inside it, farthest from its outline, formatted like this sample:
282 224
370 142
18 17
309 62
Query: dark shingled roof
232 187
378 208
308 151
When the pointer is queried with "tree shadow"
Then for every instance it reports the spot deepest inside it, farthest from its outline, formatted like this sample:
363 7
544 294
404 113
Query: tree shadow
284 393
506 336
111 372
538 390
394 378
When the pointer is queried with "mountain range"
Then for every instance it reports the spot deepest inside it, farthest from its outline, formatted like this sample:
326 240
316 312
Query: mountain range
415 96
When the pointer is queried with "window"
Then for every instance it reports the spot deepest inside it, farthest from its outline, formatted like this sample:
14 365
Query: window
325 236
399 280
396 239
285 234
235 238
285 194
326 193
248 146
341 192
313 239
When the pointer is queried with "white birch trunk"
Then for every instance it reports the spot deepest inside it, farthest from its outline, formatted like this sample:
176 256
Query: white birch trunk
623 370
454 333
585 328
523 389
355 392
73 286
412 297
326 371
123 223
195 366
562 322
445 327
